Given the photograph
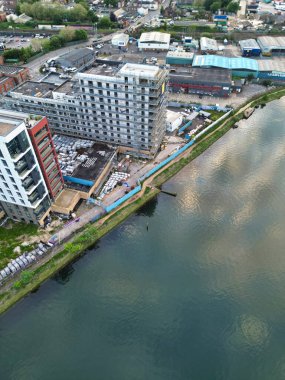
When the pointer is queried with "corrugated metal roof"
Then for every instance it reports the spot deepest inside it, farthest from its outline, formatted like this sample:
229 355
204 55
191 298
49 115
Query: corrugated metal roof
225 62
180 54
208 44
156 37
272 65
269 42
249 44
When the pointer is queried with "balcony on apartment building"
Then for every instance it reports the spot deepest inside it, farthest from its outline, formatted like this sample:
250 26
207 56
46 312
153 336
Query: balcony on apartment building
18 146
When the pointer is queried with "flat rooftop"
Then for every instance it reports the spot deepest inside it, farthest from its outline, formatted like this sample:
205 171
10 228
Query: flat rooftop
65 88
36 89
9 121
104 70
139 70
93 167
53 78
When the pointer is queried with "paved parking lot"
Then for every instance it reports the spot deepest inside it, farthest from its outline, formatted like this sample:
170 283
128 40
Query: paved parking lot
18 42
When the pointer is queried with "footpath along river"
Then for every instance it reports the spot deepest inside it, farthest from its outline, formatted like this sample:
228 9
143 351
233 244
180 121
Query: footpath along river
198 295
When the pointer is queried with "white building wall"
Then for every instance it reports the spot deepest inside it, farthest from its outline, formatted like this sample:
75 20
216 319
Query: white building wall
12 189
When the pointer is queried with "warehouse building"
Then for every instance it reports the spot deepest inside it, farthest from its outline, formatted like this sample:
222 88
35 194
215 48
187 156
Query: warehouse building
241 67
208 45
179 58
154 41
250 48
214 82
271 45
78 58
272 69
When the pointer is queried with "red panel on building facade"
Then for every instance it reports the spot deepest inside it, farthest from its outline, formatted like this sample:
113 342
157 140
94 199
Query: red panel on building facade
43 144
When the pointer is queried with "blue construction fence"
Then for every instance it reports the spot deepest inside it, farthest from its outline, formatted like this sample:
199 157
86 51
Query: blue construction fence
180 130
118 203
167 160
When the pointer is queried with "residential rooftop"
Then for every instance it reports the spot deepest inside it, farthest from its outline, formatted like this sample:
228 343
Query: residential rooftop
36 89
10 120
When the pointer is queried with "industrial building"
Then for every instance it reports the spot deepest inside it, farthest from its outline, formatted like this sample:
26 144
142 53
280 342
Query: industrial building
154 41
120 40
179 58
271 45
250 48
242 67
214 82
123 105
79 58
208 45
272 69
11 76
24 194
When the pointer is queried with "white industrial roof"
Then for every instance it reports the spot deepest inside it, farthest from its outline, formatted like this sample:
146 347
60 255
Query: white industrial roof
120 37
156 37
208 44
249 44
138 70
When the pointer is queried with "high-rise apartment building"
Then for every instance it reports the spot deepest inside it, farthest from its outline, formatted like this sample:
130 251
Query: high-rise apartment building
24 194
123 106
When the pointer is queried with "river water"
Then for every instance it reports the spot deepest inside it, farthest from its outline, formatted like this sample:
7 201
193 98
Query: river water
199 295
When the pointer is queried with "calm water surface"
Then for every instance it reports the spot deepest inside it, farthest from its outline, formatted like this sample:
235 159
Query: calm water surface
200 295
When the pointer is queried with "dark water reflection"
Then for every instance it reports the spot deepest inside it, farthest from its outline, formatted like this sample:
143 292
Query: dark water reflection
199 295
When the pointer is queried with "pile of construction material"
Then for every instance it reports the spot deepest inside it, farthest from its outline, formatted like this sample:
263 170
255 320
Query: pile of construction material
67 150
115 178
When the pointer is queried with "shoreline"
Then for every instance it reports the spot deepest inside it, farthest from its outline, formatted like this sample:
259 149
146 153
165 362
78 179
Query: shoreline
91 233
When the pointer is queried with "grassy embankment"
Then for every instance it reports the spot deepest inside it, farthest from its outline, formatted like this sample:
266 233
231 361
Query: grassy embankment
13 236
93 232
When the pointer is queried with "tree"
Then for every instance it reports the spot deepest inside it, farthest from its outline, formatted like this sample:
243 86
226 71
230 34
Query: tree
216 6
104 23
113 18
67 34
233 7
92 16
111 3
80 35
55 42
162 10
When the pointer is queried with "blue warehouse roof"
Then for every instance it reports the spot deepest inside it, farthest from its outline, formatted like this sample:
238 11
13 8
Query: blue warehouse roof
225 62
